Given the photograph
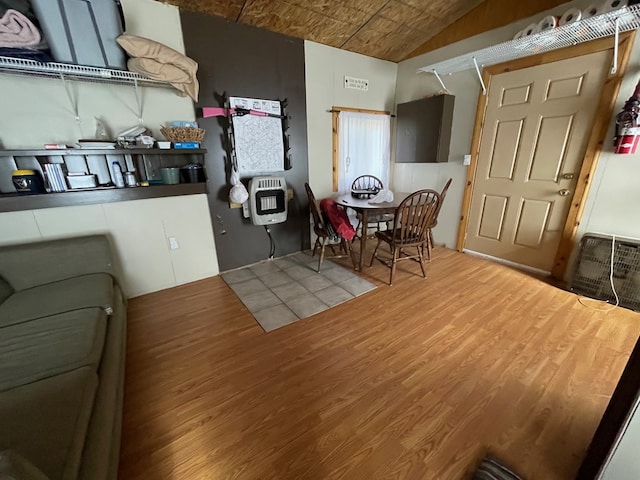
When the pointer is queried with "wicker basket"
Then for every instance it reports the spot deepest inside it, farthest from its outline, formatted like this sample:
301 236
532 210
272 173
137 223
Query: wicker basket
183 134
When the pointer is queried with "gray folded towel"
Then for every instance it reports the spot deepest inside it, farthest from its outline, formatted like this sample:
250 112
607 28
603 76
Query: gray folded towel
17 31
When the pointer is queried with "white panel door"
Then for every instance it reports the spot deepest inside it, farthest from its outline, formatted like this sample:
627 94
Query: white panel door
535 134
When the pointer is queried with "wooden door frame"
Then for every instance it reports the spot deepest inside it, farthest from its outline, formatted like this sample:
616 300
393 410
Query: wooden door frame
597 138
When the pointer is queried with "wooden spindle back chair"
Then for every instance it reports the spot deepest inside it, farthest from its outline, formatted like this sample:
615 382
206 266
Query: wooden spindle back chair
429 243
374 184
323 235
412 219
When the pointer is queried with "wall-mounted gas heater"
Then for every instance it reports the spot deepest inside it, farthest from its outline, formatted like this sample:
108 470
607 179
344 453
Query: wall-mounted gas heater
268 198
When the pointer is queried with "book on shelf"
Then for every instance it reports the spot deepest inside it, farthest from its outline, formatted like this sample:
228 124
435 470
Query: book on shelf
49 179
55 174
61 173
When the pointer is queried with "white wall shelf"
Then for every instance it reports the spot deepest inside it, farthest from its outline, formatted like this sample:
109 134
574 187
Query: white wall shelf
588 29
19 66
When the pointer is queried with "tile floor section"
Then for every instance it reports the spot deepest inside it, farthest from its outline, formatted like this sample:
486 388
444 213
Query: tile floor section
281 291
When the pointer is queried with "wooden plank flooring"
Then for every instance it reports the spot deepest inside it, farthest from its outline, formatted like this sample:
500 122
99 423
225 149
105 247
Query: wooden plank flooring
414 381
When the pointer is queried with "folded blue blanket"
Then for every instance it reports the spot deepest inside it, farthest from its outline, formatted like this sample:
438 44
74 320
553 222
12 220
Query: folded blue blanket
26 53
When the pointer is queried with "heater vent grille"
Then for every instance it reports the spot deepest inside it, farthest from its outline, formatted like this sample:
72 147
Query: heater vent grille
591 277
268 200
269 183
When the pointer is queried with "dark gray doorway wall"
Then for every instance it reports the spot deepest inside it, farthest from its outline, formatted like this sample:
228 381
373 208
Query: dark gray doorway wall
245 61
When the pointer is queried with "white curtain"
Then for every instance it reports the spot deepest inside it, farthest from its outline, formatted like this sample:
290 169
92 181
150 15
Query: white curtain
363 148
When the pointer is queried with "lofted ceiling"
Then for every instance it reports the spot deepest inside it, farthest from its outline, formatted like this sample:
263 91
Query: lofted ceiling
388 29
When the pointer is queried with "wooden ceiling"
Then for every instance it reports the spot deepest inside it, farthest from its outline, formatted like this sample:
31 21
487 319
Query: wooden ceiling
388 29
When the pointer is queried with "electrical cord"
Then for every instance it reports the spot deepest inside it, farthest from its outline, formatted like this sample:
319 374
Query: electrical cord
613 287
272 244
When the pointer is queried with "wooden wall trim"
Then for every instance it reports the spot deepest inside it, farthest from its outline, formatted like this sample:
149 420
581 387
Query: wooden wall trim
599 130
471 171
487 16
335 127
359 110
335 124
601 123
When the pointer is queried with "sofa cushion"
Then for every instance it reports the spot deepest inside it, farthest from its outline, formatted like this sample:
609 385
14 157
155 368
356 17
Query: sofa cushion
94 290
15 467
46 421
6 290
44 347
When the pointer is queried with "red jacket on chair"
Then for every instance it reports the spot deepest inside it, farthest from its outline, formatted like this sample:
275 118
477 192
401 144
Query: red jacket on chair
338 218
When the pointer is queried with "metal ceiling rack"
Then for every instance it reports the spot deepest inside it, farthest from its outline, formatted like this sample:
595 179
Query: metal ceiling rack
601 26
82 73
30 68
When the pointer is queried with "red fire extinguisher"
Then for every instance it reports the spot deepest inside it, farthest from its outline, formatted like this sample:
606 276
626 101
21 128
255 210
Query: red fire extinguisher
627 127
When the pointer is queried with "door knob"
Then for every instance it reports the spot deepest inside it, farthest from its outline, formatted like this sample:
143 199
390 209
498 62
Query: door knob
568 176
564 192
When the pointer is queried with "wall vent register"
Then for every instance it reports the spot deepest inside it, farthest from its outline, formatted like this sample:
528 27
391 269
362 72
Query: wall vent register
592 276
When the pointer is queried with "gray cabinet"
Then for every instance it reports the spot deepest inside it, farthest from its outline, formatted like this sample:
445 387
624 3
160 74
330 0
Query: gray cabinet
423 130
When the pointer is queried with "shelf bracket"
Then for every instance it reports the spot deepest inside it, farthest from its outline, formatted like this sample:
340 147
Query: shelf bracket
73 100
439 80
136 89
484 87
616 38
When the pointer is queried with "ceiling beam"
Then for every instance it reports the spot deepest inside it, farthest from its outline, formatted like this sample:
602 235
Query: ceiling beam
487 16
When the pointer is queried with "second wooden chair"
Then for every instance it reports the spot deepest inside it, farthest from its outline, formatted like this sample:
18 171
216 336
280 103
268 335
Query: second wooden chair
413 217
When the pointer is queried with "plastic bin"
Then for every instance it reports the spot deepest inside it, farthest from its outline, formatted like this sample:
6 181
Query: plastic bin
83 32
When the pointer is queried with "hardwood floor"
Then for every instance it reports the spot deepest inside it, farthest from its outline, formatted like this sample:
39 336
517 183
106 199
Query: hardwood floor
415 381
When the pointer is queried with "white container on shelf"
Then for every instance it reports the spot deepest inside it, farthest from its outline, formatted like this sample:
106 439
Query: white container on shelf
98 167
116 174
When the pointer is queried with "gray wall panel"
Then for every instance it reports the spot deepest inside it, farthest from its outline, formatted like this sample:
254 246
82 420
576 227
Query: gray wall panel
245 61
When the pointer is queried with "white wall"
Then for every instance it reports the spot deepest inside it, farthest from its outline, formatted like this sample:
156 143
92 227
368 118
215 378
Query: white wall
138 230
466 87
325 68
36 111
615 191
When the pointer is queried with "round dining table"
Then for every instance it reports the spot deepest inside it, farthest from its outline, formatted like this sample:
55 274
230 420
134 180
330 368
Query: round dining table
365 208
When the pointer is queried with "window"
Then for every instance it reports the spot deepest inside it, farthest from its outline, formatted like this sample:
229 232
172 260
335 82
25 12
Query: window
361 146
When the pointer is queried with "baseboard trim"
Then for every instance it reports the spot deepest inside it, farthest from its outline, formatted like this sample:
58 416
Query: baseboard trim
508 263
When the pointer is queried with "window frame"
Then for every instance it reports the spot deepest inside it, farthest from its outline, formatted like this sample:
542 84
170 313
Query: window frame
335 126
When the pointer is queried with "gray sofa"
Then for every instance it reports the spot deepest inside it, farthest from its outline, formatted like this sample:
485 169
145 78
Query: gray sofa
62 352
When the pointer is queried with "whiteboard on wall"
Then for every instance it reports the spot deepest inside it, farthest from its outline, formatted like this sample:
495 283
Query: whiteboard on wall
259 141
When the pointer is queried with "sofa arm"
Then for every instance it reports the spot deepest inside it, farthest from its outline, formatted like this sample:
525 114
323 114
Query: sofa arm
32 264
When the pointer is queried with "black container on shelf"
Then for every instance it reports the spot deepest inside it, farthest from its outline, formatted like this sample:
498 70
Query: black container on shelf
27 182
192 173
